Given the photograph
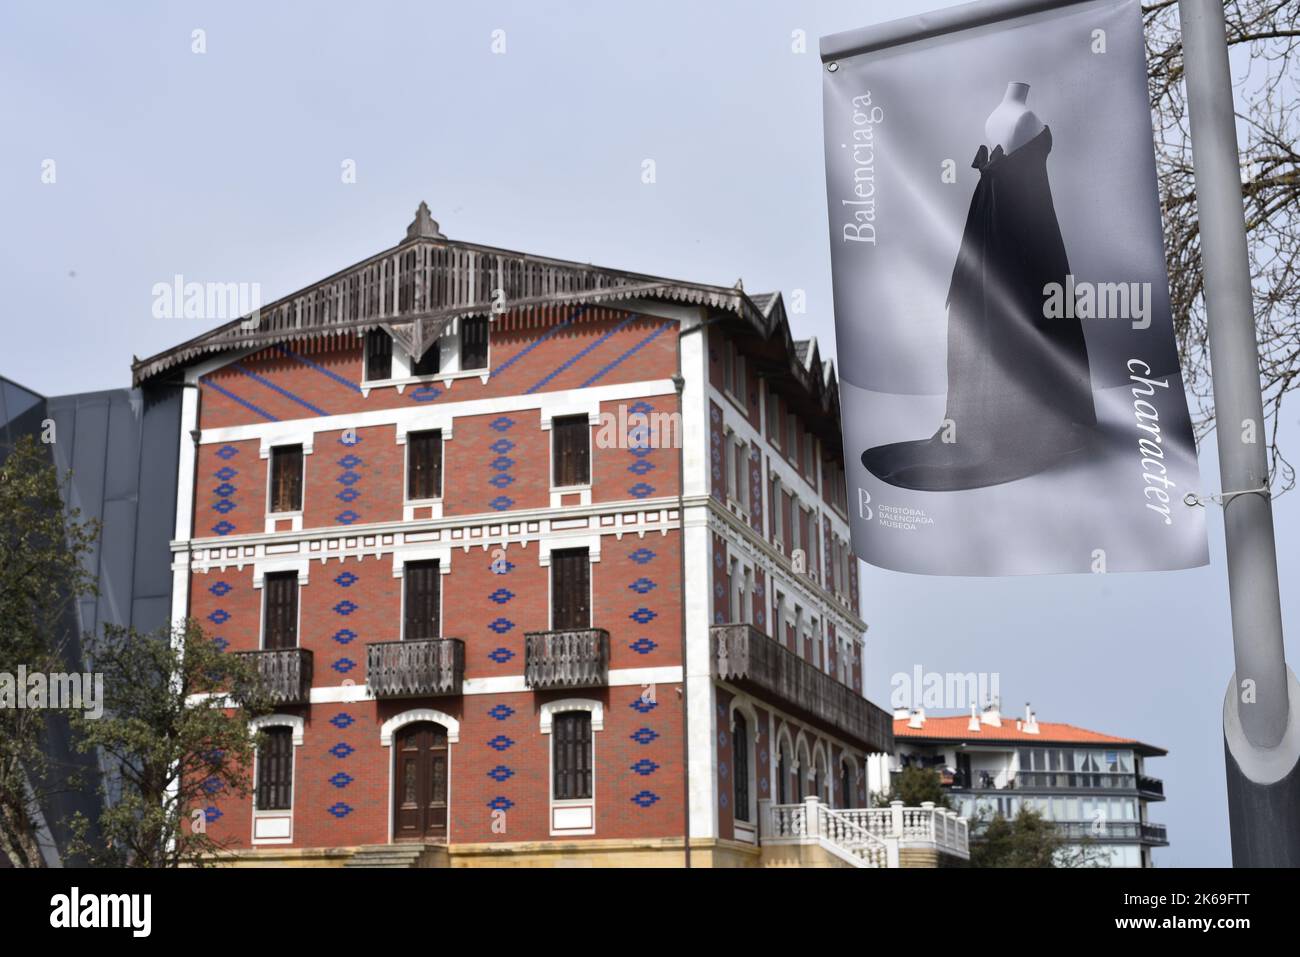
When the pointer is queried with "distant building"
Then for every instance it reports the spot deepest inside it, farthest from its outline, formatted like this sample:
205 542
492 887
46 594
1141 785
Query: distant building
1092 785
121 448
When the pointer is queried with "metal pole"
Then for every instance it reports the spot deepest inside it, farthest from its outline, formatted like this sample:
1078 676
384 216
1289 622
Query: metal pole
1259 724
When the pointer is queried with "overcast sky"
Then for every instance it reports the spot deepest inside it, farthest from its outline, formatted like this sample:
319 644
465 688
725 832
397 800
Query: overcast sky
226 166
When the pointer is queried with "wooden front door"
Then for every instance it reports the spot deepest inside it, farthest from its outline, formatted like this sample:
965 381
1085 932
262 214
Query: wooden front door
420 786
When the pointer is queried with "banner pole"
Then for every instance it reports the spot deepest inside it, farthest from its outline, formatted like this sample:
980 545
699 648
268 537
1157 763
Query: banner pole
1260 710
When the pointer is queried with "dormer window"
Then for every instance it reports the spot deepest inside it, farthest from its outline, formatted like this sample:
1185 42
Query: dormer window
474 343
379 355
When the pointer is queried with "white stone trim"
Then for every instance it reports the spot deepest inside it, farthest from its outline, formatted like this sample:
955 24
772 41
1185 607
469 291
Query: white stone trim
419 714
266 566
552 708
428 423
546 545
742 704
414 418
280 721
303 434
422 553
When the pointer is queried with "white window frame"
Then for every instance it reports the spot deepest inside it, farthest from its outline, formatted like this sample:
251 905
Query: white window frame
406 467
268 452
544 559
401 622
746 831
259 579
267 825
570 809
549 426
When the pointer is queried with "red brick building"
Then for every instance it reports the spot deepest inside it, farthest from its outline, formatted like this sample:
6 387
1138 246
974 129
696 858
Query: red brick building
441 496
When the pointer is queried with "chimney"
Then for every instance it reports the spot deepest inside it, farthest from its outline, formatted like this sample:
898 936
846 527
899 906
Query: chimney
424 226
1031 720
991 717
917 719
974 723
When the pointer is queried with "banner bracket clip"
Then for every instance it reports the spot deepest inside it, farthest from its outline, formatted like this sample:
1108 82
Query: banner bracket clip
1191 499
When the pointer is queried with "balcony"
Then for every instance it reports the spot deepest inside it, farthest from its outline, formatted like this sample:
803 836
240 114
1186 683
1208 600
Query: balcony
415 668
1151 788
1130 831
566 659
284 674
867 837
744 656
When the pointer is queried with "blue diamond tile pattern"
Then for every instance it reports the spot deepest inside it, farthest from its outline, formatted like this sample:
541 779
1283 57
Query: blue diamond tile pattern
644 799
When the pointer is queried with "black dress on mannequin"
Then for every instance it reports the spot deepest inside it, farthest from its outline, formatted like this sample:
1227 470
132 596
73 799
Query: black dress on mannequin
1019 390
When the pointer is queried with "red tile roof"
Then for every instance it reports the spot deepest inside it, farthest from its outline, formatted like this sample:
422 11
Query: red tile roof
956 728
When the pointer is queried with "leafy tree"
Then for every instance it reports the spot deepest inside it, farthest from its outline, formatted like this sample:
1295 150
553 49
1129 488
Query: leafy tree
175 736
913 786
1029 840
41 575
1264 40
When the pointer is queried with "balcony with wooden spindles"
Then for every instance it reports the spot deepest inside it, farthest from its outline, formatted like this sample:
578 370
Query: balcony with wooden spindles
577 658
284 674
744 656
415 668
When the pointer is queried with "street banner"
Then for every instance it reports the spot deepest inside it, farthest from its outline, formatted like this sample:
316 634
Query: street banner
1009 380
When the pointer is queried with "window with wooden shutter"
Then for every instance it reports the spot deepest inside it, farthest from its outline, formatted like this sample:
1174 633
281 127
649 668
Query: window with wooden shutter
286 478
571 755
280 628
570 451
474 343
422 584
379 355
570 589
740 745
275 770
430 363
424 464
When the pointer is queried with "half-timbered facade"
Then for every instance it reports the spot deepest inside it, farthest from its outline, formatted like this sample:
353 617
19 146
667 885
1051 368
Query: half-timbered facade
536 557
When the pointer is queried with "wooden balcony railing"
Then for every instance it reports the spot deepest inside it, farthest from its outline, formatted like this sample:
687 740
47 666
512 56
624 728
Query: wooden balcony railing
744 656
415 668
285 674
566 659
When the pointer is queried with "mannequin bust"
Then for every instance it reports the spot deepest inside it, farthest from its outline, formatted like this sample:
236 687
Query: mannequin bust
1012 124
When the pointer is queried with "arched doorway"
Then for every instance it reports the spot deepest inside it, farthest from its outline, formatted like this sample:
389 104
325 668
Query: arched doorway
420 782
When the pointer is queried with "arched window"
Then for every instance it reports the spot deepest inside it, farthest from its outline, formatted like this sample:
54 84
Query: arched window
782 776
740 743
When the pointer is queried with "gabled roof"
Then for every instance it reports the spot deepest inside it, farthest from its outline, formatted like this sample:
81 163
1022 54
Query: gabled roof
415 288
954 728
